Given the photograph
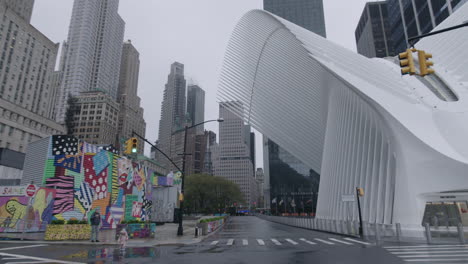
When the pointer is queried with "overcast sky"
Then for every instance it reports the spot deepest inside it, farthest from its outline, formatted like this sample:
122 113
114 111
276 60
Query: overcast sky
193 32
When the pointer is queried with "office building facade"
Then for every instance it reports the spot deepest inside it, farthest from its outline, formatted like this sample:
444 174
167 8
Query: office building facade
410 18
93 52
304 13
26 68
232 156
373 38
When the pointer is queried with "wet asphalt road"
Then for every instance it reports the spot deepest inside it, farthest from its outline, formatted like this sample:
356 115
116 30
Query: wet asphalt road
245 239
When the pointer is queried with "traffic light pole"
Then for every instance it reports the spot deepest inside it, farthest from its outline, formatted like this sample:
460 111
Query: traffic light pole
412 39
359 210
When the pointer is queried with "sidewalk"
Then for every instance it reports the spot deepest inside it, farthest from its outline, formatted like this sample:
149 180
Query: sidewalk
165 235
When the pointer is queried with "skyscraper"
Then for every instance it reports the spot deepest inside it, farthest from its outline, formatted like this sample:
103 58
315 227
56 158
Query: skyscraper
373 38
172 115
196 106
94 51
131 113
305 13
409 18
232 159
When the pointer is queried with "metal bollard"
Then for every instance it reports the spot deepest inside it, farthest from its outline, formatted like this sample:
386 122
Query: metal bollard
461 233
398 231
428 233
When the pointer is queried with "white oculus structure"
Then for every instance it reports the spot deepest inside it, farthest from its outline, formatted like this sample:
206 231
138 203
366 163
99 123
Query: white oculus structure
355 120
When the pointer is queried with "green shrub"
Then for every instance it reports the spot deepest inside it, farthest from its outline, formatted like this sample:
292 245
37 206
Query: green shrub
57 222
73 222
83 222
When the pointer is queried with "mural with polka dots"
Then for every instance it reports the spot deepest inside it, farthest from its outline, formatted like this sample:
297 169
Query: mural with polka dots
87 179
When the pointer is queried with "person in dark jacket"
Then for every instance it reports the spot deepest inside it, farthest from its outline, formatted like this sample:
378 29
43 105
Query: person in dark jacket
95 224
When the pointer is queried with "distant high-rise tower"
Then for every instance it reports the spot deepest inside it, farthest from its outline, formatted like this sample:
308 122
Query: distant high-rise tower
172 114
94 51
232 159
196 106
410 18
305 13
373 38
131 113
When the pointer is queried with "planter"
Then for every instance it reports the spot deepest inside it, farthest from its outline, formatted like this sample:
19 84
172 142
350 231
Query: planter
143 230
67 232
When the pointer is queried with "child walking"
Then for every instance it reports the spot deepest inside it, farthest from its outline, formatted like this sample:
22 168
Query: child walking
123 237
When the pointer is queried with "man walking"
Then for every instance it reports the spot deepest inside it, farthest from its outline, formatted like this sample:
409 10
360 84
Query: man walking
95 223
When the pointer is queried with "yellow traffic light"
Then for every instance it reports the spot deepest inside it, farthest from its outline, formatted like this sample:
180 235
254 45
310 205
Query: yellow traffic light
424 64
131 145
407 62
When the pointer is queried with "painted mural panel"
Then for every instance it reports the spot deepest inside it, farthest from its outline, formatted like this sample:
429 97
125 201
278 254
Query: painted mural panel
16 215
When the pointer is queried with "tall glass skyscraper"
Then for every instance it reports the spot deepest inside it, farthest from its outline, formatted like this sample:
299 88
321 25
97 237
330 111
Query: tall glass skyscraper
305 13
373 38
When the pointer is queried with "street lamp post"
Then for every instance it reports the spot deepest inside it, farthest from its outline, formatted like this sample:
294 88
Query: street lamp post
180 230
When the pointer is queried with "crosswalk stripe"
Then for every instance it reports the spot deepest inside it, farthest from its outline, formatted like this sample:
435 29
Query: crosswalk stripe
357 241
230 242
291 241
425 249
432 252
435 255
276 242
340 241
307 241
214 242
261 242
424 246
324 241
30 246
245 242
444 261
37 259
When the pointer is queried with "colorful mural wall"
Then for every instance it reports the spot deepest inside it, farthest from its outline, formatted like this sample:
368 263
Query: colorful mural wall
86 179
16 215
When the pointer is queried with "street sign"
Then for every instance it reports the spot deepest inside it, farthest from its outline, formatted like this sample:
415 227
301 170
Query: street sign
31 190
347 198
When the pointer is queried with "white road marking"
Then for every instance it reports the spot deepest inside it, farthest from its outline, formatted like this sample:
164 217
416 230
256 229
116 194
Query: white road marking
424 246
444 261
245 242
426 252
27 262
357 241
261 242
434 255
276 242
340 241
291 241
230 242
39 259
307 241
30 246
425 249
324 241
214 242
